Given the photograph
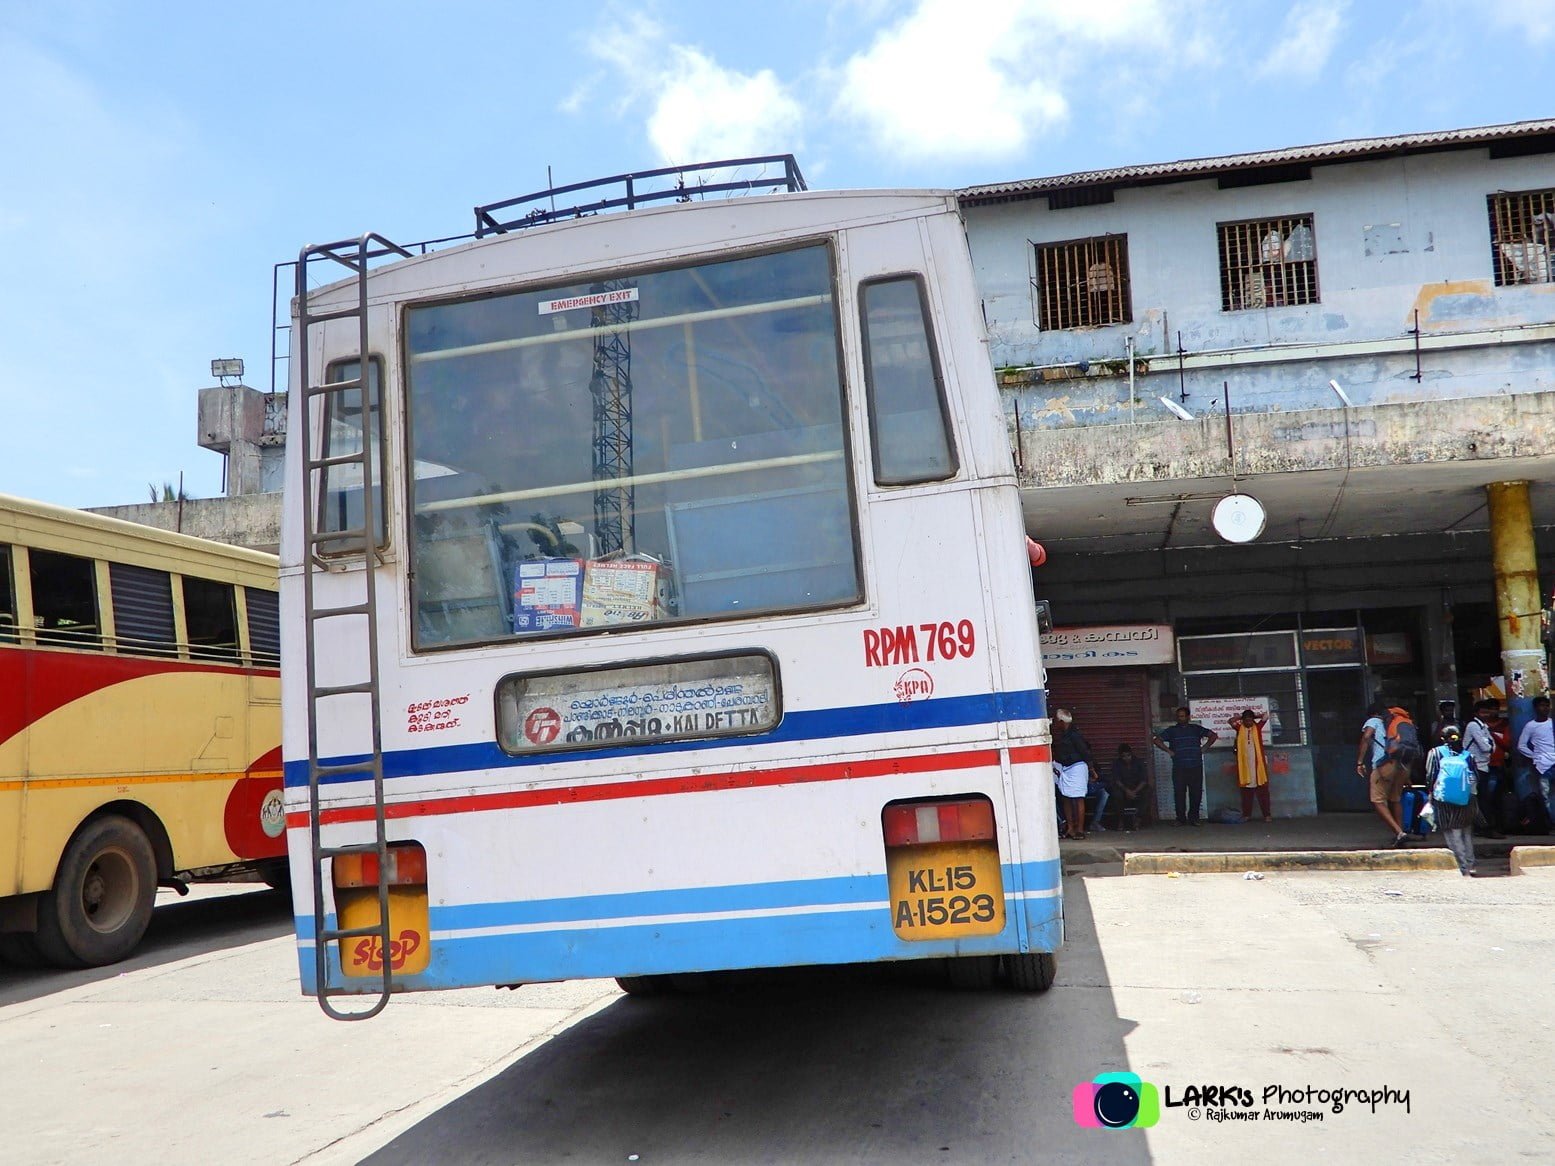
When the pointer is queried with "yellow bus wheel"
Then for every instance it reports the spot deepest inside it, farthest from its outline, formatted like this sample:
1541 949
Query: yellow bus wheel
102 897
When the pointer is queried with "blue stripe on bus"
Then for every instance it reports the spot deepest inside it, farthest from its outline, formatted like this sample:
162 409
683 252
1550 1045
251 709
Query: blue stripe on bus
863 935
819 724
794 893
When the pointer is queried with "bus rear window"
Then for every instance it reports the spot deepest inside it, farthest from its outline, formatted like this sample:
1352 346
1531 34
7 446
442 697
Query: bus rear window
908 421
643 448
64 599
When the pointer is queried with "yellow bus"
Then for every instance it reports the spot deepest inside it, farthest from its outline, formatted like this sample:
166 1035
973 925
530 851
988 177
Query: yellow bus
140 727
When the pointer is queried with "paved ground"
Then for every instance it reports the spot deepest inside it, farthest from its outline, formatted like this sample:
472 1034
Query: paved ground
200 1051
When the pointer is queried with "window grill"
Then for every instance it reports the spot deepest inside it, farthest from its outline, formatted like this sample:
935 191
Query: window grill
1083 283
1522 237
1268 263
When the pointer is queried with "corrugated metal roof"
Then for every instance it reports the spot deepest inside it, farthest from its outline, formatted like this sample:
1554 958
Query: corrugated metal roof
1327 152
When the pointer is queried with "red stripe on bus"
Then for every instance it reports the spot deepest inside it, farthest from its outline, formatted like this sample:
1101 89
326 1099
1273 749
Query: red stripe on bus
49 680
656 787
1029 754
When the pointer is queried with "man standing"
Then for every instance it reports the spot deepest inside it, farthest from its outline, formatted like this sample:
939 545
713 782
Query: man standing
1479 743
1186 741
1537 743
1384 775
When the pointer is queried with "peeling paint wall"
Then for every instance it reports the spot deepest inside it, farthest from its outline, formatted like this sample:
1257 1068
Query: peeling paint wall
1399 434
1394 236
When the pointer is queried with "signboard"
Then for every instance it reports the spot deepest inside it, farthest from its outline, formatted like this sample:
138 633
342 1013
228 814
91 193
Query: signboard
675 700
1214 712
1111 645
1331 646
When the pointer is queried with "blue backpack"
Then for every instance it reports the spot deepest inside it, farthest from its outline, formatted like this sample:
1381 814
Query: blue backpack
1454 776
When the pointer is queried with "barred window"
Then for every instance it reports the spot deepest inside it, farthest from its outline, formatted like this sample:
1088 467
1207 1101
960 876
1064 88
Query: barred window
1522 237
1268 263
1083 283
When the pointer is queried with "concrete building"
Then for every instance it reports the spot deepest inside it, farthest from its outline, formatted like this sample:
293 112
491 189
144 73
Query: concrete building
1361 337
248 428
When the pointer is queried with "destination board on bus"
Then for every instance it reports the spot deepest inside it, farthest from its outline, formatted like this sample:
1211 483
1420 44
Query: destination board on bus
655 702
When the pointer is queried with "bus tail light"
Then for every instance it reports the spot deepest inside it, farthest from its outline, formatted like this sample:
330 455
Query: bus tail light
965 820
356 902
407 866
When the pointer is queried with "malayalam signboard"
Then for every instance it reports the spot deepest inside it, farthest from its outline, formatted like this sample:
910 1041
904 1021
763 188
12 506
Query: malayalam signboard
1109 646
1214 712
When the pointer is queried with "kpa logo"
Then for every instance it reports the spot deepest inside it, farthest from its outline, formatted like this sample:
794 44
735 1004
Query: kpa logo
1116 1101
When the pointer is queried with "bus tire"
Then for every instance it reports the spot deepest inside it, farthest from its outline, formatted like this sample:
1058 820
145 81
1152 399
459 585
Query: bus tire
973 973
1031 971
101 901
643 985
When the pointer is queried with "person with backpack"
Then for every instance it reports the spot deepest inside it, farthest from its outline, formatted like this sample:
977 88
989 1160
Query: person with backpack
1388 750
1451 774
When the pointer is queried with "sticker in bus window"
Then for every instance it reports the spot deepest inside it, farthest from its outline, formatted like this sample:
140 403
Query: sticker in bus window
664 701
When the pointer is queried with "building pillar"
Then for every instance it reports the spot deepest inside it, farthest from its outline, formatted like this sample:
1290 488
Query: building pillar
1517 599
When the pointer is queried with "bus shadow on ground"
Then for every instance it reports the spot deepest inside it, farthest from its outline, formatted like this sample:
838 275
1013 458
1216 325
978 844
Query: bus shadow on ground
179 929
859 1064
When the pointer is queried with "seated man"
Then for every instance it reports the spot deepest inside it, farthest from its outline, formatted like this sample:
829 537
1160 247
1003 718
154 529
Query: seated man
1129 785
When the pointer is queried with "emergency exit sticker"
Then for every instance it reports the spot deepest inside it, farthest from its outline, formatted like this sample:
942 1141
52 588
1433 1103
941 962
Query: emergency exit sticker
625 295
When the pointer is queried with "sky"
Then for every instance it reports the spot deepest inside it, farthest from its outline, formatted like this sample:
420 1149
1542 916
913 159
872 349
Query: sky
159 157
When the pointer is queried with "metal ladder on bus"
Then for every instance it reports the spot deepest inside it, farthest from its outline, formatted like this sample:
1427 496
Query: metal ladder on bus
346 547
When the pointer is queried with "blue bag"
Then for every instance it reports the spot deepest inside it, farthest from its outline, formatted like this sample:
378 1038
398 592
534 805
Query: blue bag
1409 807
1454 778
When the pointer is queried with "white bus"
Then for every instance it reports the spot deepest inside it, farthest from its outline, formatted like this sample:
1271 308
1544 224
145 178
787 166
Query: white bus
698 632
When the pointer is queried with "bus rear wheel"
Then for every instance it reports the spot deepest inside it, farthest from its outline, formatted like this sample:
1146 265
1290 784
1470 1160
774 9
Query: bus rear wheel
643 985
1031 971
101 901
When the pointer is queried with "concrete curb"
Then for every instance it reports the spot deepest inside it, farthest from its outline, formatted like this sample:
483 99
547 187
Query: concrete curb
1524 857
1187 862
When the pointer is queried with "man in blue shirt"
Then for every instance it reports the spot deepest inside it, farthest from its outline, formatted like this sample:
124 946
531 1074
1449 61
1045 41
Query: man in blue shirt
1186 742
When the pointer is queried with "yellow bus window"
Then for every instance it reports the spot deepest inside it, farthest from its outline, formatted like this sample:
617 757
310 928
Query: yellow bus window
64 600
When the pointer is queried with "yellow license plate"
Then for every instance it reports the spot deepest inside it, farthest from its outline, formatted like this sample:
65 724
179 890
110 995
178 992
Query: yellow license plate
945 890
409 928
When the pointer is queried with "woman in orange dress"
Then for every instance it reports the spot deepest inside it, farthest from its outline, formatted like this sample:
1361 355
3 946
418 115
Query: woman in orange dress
1252 770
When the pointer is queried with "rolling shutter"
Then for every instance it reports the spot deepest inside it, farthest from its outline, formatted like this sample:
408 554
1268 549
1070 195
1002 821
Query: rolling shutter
1111 707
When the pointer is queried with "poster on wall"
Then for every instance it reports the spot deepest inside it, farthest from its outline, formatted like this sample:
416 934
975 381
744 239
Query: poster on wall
1216 711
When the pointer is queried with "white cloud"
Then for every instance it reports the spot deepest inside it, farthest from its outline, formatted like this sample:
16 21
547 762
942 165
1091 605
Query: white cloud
1533 18
703 111
952 80
700 109
1306 40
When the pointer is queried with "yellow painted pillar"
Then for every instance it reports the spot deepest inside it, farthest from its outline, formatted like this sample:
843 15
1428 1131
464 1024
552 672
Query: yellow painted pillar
1517 599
